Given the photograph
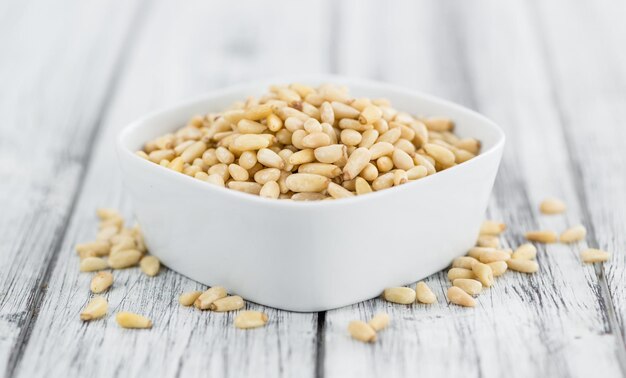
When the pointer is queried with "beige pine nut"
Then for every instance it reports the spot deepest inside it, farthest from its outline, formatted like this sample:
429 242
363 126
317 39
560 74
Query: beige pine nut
258 112
209 296
490 227
488 241
541 236
250 319
381 126
498 268
249 142
238 173
247 159
476 252
417 172
246 126
399 177
524 266
266 175
188 298
101 282
361 103
284 136
245 187
92 264
215 179
99 248
195 150
469 144
379 321
424 294
273 122
330 154
270 158
441 154
323 169
459 297
95 309
379 149
406 146
220 169
368 138
350 137
191 170
470 286
302 157
438 124
370 114
525 251
306 182
177 164
573 234
483 273
230 303
312 126
327 114
270 190
593 255
384 164
464 262
309 197
338 191
370 172
383 182
150 265
158 155
361 331
131 320
423 161
356 162
402 160
361 186
209 157
497 255
455 273
391 136
224 156
353 124
315 140
341 110
400 295
124 259
552 206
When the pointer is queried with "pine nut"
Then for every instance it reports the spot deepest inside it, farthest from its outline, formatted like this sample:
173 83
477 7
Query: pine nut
270 190
99 248
455 273
368 138
224 156
542 236
464 262
211 295
246 126
438 124
417 172
350 137
308 197
490 227
525 251
230 303
215 179
483 273
187 299
424 294
370 114
488 241
524 266
312 126
400 295
379 321
362 187
379 149
370 172
441 154
92 264
459 297
391 136
302 157
150 265
402 160
270 158
131 320
384 164
498 268
423 161
315 140
573 234
330 154
327 114
195 150
362 331
497 255
322 169
383 182
356 162
307 182
476 252
344 111
338 191
95 309
245 187
266 175
470 286
250 319
124 259
258 112
592 255
552 206
273 122
101 282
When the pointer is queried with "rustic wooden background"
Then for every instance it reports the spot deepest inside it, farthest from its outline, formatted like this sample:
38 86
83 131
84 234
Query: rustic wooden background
74 72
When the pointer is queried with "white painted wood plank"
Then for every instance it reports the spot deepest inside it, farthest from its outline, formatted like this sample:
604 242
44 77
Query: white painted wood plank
588 71
487 56
57 60
204 46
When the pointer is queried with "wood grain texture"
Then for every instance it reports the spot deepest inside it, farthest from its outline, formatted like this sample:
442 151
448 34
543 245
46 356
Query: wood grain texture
189 56
551 324
56 72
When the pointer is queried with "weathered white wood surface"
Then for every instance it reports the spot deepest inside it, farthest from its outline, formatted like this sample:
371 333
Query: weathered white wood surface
558 93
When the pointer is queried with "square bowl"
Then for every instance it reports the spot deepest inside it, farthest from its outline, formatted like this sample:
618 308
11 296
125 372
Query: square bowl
310 256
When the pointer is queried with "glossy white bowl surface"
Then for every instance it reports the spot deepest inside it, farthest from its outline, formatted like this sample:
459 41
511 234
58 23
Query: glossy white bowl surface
310 256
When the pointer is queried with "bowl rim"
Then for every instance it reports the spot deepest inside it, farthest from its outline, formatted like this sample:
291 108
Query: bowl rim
127 153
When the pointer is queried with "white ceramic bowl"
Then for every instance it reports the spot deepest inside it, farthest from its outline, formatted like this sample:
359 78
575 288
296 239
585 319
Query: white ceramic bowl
310 256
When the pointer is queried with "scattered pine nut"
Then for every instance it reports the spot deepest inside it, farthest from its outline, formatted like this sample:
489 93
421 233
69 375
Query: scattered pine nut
379 321
124 259
230 303
401 295
488 241
476 252
483 273
424 294
92 264
188 298
552 206
498 267
525 251
101 282
132 320
464 262
593 255
497 255
99 248
96 308
150 265
470 286
455 273
362 331
459 297
542 236
490 227
523 266
211 295
250 319
573 234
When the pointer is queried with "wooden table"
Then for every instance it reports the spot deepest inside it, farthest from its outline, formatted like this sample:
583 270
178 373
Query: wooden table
552 73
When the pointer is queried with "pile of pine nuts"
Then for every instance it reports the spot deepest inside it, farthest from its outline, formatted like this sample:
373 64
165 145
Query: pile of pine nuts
303 143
